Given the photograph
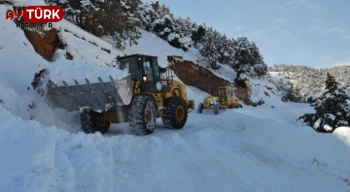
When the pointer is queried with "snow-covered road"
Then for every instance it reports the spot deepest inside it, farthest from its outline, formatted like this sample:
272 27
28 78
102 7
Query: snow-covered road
229 152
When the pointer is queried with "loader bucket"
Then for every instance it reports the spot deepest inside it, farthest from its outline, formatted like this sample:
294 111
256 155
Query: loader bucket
95 96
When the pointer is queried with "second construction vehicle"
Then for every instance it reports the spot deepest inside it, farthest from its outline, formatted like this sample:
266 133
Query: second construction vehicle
137 99
224 100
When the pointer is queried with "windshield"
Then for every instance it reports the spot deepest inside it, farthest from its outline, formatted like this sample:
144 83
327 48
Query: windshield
129 65
222 92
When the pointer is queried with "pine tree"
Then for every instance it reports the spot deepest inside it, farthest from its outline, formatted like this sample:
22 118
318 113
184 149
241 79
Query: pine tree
247 58
198 33
332 108
211 46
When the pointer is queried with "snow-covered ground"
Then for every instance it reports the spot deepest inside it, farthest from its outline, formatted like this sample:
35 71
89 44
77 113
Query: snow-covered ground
248 149
229 152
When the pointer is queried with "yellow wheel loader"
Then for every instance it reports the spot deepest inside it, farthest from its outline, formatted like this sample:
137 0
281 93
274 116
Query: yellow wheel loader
138 99
224 100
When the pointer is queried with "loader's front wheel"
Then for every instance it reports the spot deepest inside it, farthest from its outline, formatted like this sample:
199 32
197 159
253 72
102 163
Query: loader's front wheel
142 115
90 123
176 112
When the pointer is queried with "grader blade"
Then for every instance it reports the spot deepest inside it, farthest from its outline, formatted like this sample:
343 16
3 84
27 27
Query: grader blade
95 96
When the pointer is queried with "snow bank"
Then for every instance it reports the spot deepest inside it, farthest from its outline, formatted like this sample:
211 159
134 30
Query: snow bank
343 133
65 70
19 63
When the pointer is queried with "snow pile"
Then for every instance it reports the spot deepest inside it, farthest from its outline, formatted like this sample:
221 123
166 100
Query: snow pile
343 133
68 71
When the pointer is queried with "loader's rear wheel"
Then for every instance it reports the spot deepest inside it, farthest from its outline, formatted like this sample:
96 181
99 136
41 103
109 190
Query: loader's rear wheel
90 123
216 108
200 108
176 112
142 115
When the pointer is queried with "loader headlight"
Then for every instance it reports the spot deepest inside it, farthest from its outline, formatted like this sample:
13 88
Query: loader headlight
159 86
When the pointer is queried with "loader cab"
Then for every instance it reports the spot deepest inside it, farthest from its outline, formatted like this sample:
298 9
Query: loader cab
144 69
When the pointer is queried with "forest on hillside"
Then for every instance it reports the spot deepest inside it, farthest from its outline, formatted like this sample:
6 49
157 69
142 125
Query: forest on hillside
308 81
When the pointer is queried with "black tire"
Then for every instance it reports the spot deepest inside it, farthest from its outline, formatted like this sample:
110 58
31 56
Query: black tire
90 122
175 114
142 115
200 108
216 108
234 106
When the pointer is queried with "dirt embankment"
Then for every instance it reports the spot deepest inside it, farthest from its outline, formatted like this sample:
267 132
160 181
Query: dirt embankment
195 75
45 41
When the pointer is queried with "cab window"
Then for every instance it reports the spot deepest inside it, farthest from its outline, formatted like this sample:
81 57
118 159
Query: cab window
148 67
222 92
129 65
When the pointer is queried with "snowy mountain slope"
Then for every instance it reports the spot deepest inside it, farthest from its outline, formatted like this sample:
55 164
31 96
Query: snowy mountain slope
306 79
153 45
85 47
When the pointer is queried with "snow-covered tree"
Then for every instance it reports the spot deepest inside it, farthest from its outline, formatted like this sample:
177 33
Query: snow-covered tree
293 95
113 18
198 32
332 108
211 47
247 58
158 19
